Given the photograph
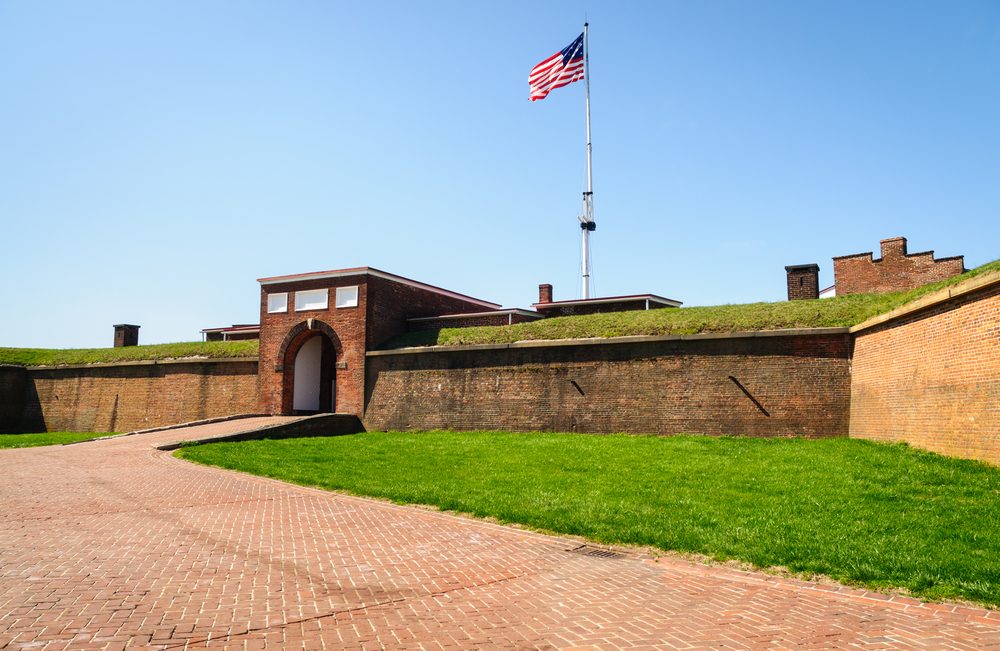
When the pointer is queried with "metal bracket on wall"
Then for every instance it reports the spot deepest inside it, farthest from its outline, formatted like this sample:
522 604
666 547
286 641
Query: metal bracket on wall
749 395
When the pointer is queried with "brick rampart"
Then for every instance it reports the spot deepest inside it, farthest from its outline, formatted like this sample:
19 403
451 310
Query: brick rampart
130 396
930 374
757 384
13 389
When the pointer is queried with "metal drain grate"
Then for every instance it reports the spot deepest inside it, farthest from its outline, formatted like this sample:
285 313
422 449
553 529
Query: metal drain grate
595 552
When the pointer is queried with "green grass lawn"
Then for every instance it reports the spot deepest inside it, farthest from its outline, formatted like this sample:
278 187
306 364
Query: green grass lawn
55 357
839 311
884 516
46 438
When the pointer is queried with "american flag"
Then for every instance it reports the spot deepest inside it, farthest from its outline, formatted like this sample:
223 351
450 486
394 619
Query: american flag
560 69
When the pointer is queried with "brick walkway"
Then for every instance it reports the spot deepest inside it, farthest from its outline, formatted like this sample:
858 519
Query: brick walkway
112 544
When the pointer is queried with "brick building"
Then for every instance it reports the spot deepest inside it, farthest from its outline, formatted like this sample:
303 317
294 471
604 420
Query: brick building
860 273
896 270
315 329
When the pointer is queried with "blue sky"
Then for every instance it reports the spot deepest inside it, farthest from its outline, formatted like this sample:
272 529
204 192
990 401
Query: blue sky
158 157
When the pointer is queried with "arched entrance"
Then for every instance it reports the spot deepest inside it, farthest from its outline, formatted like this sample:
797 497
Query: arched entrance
313 387
308 358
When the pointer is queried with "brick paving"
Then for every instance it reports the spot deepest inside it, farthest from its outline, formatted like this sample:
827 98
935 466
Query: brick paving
113 544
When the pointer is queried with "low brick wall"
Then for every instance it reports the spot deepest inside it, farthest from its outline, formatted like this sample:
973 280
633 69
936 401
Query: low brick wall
137 395
779 383
13 387
930 374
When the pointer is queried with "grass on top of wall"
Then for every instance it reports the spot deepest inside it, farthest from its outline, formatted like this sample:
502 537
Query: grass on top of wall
196 349
46 438
839 311
883 516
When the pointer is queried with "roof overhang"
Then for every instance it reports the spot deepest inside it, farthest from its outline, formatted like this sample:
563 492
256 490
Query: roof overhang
652 298
377 273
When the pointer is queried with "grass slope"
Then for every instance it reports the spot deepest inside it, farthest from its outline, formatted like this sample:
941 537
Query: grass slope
831 312
863 513
45 438
55 357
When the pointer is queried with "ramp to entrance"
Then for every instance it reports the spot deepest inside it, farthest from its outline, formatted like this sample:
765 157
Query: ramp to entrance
318 425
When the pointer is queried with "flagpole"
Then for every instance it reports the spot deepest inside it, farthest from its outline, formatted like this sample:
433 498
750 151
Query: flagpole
587 223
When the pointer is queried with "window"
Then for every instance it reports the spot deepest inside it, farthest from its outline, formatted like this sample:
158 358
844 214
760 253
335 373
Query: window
314 299
277 303
347 296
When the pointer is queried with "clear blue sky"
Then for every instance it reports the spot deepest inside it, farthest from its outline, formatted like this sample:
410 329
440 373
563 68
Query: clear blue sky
158 157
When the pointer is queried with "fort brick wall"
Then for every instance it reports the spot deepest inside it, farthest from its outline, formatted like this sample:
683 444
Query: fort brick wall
13 389
138 395
895 271
930 374
756 384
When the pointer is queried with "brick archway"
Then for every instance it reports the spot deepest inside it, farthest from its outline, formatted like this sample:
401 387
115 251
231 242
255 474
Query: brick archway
293 341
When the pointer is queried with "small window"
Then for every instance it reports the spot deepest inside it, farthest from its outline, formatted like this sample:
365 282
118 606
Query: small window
347 296
277 303
314 299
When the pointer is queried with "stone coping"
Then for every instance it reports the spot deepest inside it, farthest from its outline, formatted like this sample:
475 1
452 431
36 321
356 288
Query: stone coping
944 294
141 362
599 341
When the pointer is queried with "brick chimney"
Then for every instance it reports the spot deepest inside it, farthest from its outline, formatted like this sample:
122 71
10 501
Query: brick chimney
894 247
126 335
803 281
545 293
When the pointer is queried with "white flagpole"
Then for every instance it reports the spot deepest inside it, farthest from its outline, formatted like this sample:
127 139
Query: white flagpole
587 223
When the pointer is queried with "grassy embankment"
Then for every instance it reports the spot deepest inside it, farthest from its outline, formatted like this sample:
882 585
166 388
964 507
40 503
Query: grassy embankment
57 357
839 311
46 438
834 312
882 516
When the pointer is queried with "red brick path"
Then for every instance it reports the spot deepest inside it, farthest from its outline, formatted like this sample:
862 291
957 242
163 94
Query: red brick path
112 544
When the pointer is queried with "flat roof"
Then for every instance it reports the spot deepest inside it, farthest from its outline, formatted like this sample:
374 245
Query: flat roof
378 273
611 299
472 315
234 328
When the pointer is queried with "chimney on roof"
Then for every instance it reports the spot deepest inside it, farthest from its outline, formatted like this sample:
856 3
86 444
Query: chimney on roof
894 247
803 281
545 293
126 335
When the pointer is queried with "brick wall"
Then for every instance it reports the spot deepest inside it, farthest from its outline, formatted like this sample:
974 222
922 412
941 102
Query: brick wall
801 385
13 387
393 303
126 397
931 377
896 270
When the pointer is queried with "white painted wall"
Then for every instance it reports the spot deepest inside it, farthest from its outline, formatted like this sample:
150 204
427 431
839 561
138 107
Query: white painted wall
305 385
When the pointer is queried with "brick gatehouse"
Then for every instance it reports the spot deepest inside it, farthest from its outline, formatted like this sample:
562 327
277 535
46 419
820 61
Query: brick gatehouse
315 329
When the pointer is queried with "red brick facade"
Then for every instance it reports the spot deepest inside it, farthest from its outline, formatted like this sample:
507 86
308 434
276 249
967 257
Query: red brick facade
384 303
896 270
128 397
790 385
932 377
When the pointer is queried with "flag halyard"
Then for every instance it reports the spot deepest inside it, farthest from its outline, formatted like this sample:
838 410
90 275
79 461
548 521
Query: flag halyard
560 69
